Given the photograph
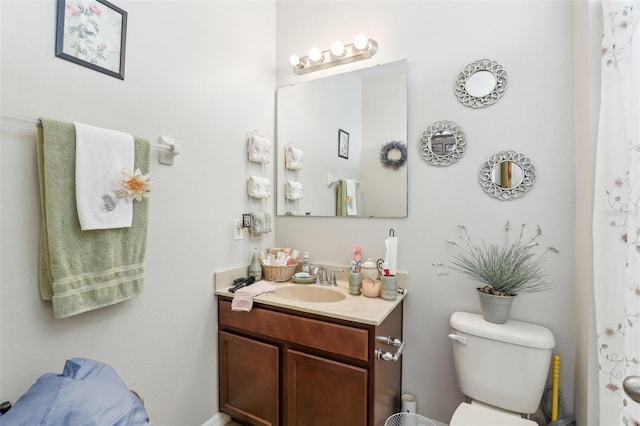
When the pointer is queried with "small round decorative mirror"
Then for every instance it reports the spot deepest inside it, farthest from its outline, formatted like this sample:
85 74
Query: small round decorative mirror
481 83
507 175
442 143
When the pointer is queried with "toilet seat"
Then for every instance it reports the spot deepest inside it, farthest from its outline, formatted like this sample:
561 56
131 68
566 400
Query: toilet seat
478 415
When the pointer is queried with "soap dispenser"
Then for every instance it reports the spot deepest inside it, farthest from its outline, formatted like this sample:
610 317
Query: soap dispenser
255 269
306 267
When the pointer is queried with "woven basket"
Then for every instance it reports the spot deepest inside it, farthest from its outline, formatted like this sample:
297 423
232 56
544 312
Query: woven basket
278 272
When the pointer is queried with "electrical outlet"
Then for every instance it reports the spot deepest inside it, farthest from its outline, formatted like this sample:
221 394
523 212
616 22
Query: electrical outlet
237 230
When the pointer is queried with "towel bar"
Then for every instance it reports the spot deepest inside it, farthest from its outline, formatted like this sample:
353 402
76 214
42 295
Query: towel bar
166 144
331 179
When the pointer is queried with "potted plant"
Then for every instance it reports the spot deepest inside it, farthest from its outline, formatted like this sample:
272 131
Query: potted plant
504 270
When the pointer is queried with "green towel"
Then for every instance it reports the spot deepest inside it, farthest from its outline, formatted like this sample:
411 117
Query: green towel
83 270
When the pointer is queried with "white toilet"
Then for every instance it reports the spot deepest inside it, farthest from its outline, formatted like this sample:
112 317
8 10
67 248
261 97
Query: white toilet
501 368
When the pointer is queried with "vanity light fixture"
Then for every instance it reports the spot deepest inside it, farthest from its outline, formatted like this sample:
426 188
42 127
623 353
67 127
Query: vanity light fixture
362 48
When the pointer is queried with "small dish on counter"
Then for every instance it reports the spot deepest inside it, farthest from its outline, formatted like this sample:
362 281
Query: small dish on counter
303 278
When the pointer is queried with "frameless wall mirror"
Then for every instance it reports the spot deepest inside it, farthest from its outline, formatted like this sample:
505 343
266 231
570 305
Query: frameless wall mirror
481 83
442 143
507 175
338 126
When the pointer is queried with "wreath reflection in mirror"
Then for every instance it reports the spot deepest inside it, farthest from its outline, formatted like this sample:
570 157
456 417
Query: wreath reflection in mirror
393 155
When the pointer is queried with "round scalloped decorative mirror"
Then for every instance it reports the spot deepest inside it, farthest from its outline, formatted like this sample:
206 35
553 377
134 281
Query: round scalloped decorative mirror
481 83
507 175
442 143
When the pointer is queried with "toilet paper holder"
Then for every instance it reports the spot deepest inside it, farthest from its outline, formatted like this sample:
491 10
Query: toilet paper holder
393 342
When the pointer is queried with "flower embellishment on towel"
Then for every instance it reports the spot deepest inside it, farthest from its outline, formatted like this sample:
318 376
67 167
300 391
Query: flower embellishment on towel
133 186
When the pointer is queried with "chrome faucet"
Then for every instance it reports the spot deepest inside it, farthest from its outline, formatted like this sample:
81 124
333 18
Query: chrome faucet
332 278
321 275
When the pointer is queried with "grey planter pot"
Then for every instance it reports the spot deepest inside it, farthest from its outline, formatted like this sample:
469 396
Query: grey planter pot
495 309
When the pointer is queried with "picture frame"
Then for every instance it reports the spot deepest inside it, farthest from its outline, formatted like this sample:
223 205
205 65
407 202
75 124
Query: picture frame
92 33
343 144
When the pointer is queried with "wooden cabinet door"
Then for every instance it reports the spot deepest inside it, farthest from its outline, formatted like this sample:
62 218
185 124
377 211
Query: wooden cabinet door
323 392
249 379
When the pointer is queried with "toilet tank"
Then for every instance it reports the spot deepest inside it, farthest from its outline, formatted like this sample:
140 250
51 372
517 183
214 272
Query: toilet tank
504 365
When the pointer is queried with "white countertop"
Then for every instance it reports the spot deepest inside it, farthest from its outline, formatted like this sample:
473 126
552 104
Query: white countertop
362 309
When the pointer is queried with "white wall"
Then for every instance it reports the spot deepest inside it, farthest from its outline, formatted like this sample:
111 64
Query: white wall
202 72
533 40
378 129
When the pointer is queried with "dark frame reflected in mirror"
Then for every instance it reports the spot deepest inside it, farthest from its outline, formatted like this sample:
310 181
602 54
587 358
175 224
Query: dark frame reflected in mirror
343 144
507 175
371 105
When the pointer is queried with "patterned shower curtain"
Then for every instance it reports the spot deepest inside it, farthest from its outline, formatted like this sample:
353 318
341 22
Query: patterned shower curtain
616 215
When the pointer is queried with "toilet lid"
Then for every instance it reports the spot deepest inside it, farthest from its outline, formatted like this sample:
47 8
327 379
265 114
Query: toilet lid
475 415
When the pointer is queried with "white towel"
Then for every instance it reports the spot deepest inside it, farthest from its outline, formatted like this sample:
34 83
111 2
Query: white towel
352 209
293 190
101 155
293 157
259 187
259 149
243 298
260 222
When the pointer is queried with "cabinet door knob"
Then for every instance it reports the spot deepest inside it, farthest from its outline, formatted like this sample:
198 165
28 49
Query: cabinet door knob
390 341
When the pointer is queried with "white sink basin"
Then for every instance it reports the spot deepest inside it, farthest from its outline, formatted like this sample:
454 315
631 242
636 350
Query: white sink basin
309 294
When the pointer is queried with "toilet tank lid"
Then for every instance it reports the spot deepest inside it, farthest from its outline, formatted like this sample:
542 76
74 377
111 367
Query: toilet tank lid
514 332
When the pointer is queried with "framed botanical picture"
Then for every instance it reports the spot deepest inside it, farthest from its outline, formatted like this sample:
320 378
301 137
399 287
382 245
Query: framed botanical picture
92 33
343 144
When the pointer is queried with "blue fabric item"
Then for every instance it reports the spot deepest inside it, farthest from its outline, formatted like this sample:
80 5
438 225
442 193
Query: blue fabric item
87 393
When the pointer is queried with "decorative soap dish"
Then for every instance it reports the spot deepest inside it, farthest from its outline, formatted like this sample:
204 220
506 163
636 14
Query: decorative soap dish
303 278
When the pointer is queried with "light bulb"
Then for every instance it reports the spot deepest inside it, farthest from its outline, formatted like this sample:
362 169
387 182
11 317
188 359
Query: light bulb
315 54
337 48
361 41
294 60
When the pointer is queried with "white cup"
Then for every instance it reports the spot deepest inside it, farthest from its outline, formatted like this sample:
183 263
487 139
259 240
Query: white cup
408 403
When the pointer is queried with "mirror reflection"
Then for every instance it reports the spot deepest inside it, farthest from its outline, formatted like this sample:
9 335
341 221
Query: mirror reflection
442 142
507 175
336 126
481 83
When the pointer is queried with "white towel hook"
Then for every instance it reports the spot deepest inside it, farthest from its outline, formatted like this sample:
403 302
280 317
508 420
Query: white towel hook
171 149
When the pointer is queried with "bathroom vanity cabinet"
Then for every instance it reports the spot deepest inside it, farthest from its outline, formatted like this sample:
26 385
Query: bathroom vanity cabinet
279 366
